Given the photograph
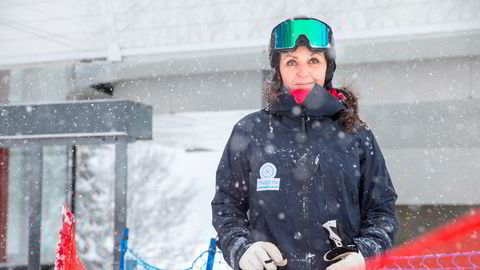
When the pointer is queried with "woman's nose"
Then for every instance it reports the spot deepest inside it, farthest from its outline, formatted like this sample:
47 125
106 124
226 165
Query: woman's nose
302 71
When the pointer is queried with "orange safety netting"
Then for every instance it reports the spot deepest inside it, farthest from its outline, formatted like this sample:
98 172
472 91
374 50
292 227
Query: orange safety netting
453 246
67 258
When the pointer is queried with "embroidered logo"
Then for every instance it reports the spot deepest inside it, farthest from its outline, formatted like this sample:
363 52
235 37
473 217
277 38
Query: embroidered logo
267 180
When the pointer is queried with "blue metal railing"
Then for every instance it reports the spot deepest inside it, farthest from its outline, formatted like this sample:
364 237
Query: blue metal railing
135 260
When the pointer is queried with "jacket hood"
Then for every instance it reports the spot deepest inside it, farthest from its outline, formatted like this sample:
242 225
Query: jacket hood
319 103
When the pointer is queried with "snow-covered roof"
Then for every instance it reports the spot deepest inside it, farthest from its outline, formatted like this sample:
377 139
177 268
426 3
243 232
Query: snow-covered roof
33 31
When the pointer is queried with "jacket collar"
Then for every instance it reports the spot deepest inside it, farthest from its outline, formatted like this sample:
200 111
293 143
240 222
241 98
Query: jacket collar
319 103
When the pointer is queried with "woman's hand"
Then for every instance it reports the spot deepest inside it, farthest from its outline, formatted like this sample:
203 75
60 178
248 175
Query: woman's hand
349 261
262 255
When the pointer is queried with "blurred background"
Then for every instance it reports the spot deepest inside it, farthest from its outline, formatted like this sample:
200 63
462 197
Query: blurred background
202 66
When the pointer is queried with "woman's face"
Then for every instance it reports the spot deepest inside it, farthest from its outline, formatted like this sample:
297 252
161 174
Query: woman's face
302 68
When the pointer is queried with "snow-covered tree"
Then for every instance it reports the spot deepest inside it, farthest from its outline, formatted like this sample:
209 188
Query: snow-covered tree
156 204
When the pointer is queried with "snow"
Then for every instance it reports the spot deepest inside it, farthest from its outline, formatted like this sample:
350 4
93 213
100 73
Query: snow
110 30
172 178
194 130
171 184
62 136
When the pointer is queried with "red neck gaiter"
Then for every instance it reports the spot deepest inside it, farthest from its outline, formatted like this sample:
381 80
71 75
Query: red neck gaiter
301 94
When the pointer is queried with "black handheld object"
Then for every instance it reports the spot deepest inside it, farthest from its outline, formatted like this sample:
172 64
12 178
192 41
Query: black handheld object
340 241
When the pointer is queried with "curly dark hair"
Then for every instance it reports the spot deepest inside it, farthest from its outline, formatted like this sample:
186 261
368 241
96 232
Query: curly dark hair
348 118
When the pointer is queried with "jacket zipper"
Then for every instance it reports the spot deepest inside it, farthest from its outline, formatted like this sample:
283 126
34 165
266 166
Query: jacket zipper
304 120
308 255
308 258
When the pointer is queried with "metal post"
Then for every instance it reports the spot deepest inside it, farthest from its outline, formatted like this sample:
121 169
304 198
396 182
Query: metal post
123 248
3 203
74 178
211 253
33 168
120 211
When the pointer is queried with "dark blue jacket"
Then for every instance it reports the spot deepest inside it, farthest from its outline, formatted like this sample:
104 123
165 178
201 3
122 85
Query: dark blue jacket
312 172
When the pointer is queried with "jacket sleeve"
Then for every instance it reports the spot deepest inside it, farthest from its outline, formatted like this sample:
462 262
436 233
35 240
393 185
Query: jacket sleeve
230 204
377 200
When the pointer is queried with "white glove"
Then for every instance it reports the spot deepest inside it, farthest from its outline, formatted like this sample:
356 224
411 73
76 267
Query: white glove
262 255
349 261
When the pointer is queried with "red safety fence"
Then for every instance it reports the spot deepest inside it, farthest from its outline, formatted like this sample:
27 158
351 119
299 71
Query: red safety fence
452 246
67 258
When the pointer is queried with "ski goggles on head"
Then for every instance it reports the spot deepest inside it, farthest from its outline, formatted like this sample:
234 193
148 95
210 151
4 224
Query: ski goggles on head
287 33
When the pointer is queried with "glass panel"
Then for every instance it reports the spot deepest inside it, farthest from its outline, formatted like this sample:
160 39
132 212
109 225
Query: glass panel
53 196
17 232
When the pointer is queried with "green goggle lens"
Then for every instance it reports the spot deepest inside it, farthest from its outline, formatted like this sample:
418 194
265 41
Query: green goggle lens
287 33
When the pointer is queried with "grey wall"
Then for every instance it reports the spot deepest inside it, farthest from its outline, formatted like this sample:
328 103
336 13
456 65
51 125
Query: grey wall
416 220
40 84
414 81
424 171
4 85
435 176
196 92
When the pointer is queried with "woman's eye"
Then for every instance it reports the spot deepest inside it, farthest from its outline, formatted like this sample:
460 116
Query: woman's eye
291 63
314 61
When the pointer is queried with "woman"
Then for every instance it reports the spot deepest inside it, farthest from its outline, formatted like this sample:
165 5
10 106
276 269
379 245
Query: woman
302 184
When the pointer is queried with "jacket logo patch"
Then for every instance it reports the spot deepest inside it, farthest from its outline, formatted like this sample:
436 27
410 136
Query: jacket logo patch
267 180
